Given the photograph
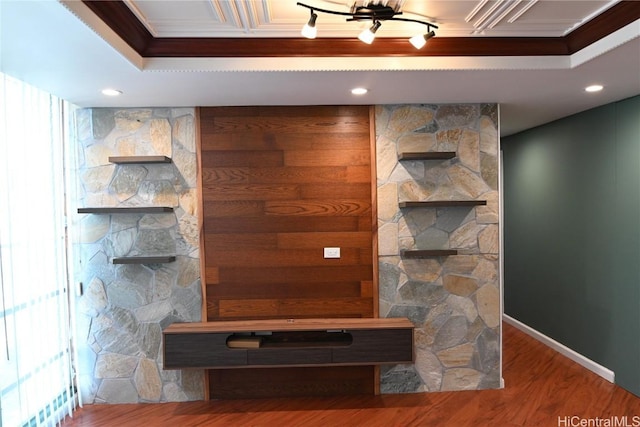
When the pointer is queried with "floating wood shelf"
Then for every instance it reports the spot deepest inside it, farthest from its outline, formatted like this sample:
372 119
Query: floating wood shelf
140 159
427 253
142 209
442 203
432 155
289 342
144 259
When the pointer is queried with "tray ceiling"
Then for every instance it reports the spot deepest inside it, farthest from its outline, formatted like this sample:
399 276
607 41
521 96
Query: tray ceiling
280 18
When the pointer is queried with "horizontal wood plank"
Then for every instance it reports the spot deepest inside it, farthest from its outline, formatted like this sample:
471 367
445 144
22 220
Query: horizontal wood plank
240 158
240 141
327 158
211 113
217 176
241 241
311 240
308 274
318 207
258 141
340 142
253 192
299 175
326 307
285 290
295 124
339 190
259 308
296 307
280 257
285 224
283 315
233 208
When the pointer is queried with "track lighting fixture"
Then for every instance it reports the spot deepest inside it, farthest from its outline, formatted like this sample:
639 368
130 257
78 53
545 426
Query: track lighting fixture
374 11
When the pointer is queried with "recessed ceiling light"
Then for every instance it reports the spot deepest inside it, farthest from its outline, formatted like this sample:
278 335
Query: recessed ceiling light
359 91
594 88
111 92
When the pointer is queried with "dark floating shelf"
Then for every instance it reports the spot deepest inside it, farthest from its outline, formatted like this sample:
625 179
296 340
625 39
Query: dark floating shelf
140 159
427 253
144 259
432 155
143 209
442 203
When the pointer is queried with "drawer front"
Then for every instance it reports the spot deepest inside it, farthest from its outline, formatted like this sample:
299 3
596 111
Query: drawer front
377 347
289 356
201 350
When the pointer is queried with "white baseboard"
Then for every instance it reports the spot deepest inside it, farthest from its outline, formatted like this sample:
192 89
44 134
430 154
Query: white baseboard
594 367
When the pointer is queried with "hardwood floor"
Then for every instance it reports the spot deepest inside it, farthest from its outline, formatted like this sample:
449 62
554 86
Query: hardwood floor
543 388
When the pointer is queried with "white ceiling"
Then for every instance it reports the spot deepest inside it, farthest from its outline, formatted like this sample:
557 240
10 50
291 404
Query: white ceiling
66 50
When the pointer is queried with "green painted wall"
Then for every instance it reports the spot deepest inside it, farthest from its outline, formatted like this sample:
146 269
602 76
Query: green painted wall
572 234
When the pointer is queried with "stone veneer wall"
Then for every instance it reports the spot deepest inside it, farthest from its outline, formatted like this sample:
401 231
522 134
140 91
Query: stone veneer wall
453 301
125 307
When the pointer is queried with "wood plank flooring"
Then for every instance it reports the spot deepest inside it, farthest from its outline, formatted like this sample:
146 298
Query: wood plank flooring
543 388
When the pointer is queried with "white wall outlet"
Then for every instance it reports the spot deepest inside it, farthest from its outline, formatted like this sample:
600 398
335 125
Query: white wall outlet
332 252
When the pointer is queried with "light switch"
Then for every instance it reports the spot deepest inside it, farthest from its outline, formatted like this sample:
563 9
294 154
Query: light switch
332 252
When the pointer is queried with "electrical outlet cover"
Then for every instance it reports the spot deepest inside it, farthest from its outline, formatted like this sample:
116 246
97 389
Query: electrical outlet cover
332 252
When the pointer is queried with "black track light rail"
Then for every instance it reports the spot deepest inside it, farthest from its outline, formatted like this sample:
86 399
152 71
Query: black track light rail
384 13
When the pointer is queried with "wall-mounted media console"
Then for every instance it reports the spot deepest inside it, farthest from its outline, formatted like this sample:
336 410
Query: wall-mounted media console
288 342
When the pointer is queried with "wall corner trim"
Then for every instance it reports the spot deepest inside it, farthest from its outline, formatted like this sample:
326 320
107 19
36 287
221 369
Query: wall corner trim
583 361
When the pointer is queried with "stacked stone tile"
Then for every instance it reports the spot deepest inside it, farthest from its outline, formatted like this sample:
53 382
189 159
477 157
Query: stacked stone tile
453 301
125 307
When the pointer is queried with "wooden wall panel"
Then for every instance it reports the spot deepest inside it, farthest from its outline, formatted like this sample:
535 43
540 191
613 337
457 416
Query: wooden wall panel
291 382
278 185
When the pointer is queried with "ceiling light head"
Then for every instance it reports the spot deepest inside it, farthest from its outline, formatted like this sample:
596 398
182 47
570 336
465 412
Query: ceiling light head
359 91
594 88
418 41
369 35
309 30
